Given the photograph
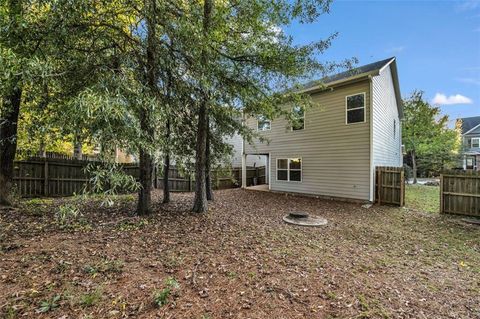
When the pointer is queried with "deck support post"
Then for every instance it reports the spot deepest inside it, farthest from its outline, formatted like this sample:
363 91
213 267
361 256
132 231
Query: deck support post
244 170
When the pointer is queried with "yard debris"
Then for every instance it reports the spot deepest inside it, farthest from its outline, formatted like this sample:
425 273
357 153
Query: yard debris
367 205
239 260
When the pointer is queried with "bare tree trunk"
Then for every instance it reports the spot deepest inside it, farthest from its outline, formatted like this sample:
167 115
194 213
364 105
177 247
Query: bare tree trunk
144 195
166 168
146 162
414 167
8 141
208 165
77 147
41 148
200 204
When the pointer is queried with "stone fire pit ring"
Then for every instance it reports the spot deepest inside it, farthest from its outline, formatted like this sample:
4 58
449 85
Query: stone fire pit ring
304 219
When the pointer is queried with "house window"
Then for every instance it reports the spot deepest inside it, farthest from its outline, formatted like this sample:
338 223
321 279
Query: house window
475 142
289 169
470 162
263 124
355 108
298 118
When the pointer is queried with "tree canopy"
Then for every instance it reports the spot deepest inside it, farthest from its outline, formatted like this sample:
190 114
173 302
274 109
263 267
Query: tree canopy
430 144
164 80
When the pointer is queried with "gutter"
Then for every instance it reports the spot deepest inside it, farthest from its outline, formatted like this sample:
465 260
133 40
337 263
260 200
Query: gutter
331 85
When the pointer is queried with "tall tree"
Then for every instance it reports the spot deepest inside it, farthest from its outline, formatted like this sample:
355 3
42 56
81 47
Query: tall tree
11 16
200 201
24 41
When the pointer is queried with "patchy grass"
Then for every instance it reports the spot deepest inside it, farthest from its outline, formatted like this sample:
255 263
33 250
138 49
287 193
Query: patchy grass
423 198
239 261
90 299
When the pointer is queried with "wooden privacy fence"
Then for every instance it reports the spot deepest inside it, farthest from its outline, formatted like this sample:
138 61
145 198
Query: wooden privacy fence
64 177
390 185
222 179
54 176
460 193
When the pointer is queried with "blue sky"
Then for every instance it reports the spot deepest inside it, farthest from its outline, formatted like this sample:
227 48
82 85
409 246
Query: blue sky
437 45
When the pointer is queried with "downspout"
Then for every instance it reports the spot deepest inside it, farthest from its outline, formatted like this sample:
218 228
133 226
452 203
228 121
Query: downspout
372 168
243 175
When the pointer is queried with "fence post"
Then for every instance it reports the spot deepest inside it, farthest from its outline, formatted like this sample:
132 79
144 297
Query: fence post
441 194
45 178
379 185
402 187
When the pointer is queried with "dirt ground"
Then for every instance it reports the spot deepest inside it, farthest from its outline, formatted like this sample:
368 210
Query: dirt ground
238 261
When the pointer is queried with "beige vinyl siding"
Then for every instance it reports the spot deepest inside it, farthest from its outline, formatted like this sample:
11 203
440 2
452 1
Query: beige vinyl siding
386 145
335 156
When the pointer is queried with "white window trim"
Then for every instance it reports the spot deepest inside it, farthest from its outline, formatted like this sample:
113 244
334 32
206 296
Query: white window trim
304 123
258 130
356 108
471 142
288 170
474 162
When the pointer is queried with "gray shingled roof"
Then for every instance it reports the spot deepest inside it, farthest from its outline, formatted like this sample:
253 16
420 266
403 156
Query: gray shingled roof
349 73
469 122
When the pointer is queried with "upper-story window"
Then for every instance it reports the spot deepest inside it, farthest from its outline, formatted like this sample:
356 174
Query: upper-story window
355 108
264 124
475 142
298 113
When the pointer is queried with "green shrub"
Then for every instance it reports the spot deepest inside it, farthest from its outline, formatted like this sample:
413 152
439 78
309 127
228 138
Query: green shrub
67 214
91 298
161 298
48 305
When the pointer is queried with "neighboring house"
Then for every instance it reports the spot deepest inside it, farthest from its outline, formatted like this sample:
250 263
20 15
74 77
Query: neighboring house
471 142
353 126
122 156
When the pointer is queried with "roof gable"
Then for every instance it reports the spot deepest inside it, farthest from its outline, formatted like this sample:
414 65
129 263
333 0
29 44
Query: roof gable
359 73
475 130
372 67
469 123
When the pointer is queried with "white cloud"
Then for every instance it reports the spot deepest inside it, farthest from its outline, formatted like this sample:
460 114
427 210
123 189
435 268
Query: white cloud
395 49
442 99
469 81
472 68
468 5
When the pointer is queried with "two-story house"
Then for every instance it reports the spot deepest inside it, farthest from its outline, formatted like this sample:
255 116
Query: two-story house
471 142
335 145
